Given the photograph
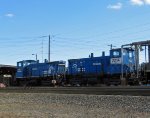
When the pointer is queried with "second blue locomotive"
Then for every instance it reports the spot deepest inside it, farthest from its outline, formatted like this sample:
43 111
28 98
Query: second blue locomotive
31 70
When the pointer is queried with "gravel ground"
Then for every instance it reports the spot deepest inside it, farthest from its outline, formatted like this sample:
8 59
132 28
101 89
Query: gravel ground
47 105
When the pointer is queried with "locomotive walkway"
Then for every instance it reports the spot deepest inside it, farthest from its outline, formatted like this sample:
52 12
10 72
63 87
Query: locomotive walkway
132 91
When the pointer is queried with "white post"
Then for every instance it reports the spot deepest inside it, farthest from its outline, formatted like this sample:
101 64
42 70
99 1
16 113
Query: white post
121 62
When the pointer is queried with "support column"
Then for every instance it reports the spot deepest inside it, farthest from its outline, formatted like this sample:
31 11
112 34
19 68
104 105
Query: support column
149 53
137 60
122 62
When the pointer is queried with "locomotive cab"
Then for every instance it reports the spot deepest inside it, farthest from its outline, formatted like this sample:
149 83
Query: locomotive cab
121 61
21 67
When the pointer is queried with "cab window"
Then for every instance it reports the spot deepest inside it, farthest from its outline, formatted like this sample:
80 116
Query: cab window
116 53
19 64
130 54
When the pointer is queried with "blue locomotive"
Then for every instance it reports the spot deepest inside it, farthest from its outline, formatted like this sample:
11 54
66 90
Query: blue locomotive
91 70
32 71
103 69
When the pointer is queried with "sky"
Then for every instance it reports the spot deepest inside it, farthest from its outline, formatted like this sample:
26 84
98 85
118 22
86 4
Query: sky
77 27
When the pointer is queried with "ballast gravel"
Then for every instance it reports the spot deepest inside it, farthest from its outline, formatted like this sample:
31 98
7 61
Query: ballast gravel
47 105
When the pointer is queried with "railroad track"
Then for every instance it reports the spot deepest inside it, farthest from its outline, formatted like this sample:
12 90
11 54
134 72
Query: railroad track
134 91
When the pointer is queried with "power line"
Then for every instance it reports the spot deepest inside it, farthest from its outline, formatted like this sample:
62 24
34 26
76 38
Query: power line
82 42
106 34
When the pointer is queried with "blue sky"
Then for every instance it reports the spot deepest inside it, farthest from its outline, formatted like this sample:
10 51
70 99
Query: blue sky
77 27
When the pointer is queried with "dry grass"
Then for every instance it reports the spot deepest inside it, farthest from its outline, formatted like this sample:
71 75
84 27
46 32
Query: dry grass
57 106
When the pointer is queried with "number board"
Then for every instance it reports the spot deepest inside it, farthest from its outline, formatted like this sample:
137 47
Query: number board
115 61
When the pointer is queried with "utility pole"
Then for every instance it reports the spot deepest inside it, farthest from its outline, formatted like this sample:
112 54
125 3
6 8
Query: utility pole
49 48
111 46
42 50
35 56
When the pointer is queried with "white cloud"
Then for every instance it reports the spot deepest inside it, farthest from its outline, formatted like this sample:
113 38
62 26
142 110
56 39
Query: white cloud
140 2
147 1
115 6
10 15
137 2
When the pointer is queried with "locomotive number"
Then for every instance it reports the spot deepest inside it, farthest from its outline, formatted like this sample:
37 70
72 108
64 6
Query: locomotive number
115 61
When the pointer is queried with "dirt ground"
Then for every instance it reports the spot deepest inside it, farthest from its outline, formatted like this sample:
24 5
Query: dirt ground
41 105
